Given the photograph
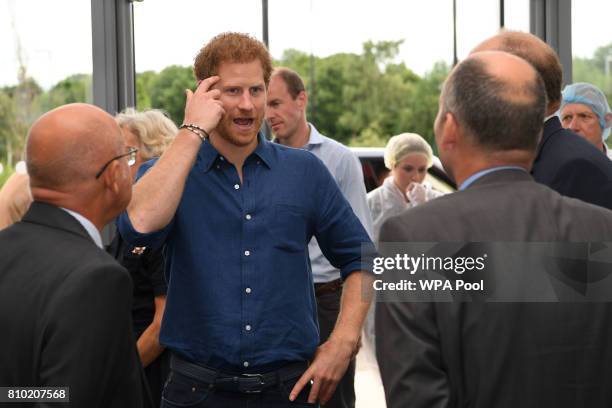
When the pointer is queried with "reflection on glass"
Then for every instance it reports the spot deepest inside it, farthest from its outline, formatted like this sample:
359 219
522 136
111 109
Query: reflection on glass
44 63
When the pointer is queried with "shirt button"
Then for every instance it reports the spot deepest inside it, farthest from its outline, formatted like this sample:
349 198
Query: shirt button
247 253
258 162
248 216
236 186
222 158
248 290
247 327
246 364
218 166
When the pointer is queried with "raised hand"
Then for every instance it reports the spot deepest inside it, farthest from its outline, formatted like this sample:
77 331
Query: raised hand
417 193
203 107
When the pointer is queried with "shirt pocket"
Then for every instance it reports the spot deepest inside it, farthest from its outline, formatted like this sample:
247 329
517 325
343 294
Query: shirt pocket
288 228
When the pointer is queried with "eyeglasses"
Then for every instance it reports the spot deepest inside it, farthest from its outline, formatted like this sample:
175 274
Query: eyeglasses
131 155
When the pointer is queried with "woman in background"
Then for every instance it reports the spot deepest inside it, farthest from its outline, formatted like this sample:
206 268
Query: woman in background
150 132
407 156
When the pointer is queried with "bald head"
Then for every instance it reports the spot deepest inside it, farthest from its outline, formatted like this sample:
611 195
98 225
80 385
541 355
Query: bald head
68 145
498 100
537 53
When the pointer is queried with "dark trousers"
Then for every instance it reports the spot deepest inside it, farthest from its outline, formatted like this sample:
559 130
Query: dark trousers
156 374
187 391
328 308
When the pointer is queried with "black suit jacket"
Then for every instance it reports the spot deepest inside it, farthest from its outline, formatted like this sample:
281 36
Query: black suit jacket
65 313
484 355
573 167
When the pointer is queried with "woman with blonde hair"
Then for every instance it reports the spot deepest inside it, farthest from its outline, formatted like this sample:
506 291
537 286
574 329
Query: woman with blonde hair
151 132
407 156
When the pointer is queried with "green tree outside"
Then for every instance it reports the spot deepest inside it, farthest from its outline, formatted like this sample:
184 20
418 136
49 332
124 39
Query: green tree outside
358 99
167 90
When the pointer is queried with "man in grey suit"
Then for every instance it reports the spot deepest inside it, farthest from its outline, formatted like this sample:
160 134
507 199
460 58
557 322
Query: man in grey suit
494 354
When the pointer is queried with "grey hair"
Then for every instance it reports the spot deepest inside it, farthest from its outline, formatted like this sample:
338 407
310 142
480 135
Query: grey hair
153 128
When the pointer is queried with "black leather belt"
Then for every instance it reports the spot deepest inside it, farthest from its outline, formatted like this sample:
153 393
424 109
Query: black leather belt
243 383
328 287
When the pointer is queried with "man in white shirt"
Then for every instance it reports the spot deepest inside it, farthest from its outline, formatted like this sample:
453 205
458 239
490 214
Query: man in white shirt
286 115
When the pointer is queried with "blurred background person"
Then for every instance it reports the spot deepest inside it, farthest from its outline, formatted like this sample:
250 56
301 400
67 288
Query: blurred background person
150 132
15 196
407 156
585 110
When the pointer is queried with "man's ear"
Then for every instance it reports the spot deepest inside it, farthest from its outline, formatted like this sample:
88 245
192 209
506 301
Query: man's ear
112 177
608 119
302 99
450 133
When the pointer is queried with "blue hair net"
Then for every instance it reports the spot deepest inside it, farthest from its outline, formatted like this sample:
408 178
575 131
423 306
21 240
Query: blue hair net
590 95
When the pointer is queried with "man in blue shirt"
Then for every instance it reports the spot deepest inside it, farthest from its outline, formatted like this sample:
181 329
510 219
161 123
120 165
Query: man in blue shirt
236 213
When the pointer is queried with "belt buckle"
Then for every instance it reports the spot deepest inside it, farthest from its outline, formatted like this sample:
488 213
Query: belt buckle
256 379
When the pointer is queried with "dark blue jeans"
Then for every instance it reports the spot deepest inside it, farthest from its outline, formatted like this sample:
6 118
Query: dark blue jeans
183 391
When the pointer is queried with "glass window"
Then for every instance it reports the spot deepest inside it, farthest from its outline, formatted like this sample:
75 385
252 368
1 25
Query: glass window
375 74
516 15
477 20
426 30
592 44
372 69
45 62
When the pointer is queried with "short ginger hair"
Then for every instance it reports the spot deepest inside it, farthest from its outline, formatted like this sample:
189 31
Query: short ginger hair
233 48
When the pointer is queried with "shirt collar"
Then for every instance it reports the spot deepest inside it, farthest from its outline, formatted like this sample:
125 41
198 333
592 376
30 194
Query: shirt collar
264 150
315 138
484 172
208 154
551 116
88 225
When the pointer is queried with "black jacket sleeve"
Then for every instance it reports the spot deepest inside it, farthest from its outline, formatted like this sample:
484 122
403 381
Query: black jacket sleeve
88 343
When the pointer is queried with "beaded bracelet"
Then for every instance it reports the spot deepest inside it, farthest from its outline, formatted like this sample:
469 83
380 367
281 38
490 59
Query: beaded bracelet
202 134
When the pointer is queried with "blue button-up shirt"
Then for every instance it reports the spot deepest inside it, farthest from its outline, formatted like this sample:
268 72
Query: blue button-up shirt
240 293
345 169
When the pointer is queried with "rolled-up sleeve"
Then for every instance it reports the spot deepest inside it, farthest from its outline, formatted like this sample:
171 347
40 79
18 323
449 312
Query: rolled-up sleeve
341 236
153 239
